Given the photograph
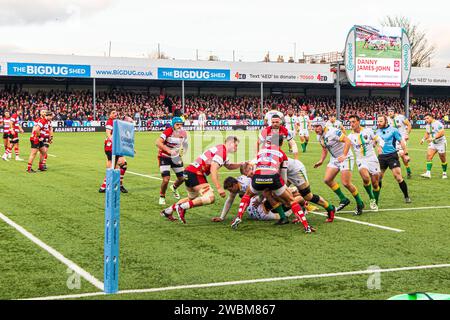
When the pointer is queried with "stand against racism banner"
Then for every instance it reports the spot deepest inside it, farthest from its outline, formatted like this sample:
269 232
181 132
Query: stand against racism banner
377 56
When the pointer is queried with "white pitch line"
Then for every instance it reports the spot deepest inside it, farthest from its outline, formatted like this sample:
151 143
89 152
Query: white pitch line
51 155
252 281
361 222
403 209
83 273
146 176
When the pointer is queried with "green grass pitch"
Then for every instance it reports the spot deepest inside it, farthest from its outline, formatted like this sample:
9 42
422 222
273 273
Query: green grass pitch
371 53
62 207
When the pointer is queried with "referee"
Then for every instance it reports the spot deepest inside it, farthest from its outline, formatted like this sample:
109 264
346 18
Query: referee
388 156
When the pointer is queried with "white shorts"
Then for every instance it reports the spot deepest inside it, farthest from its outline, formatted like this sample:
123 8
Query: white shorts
370 163
441 147
256 211
347 164
303 133
299 178
398 145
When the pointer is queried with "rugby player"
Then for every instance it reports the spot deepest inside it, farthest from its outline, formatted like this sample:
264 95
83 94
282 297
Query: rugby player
269 114
199 191
170 143
15 129
6 135
202 120
291 122
120 161
270 174
304 125
37 141
265 136
334 123
363 141
388 156
403 125
437 143
338 145
297 177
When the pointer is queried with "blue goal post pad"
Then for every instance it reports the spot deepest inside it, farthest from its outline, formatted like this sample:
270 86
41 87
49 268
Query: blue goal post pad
123 138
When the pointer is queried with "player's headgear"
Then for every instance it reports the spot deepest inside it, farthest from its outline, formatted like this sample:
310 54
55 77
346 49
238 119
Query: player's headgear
318 121
176 120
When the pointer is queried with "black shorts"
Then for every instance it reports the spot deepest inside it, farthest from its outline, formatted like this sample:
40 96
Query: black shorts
109 155
192 180
165 164
46 142
261 182
38 145
389 160
7 136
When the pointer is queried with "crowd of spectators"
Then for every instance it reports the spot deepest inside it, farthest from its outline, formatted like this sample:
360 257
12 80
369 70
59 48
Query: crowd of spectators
78 105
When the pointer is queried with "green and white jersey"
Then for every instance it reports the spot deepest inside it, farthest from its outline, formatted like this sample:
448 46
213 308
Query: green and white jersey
398 122
332 140
303 121
433 130
290 122
270 114
337 124
363 143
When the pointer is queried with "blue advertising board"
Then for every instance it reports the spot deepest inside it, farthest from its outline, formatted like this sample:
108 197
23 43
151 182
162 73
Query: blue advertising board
48 70
193 74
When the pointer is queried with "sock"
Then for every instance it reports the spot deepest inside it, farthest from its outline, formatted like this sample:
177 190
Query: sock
404 188
245 201
379 184
170 209
408 169
187 205
103 184
122 173
44 161
280 211
358 199
369 191
338 191
7 151
41 166
29 166
444 167
306 144
429 166
16 149
299 214
376 193
303 146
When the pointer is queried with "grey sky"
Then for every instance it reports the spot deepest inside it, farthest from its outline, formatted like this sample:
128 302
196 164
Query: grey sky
250 27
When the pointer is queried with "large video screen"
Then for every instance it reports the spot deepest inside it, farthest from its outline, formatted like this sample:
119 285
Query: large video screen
377 56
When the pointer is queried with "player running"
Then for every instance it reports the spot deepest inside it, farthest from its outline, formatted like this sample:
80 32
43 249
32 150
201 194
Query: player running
170 144
437 143
304 125
199 191
338 145
273 111
403 125
6 135
297 176
277 129
388 156
270 175
363 141
120 161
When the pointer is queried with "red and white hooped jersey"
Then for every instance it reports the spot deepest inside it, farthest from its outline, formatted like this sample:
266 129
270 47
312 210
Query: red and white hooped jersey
15 124
174 140
270 160
202 165
266 134
41 123
6 125
108 141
